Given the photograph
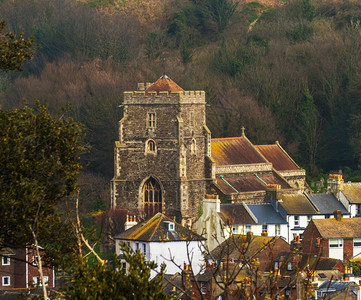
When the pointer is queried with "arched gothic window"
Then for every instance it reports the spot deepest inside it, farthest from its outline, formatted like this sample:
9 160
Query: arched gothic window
152 197
150 147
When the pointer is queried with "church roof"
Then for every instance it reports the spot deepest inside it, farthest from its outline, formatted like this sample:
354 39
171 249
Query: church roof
249 183
156 229
164 84
278 157
235 151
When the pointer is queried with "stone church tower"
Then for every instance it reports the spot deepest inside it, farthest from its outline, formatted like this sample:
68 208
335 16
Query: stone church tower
162 158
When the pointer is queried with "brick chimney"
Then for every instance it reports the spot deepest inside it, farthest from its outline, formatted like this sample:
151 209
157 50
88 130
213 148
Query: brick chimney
141 86
335 184
249 236
338 215
130 222
274 192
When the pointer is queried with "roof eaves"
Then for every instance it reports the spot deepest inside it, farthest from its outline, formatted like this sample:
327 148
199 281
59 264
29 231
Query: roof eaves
250 212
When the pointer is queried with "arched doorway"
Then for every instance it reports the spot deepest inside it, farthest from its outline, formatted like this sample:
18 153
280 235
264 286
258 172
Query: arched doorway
152 197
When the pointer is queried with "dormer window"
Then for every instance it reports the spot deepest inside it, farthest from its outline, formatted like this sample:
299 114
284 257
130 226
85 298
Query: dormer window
170 226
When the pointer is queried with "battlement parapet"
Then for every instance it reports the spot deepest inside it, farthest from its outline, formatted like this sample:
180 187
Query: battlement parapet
163 97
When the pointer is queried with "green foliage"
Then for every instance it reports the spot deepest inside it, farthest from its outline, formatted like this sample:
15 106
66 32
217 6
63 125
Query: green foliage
355 263
299 33
14 50
110 281
155 45
231 59
39 163
217 13
252 10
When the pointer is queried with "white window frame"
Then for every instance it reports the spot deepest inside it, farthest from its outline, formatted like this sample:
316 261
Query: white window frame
296 221
335 243
171 226
203 287
265 228
357 242
235 229
3 281
289 266
277 229
248 228
5 260
144 249
37 281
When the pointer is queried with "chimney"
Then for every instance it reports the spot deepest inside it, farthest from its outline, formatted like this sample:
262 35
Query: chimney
296 245
130 222
274 192
338 215
141 86
147 85
211 202
335 184
264 233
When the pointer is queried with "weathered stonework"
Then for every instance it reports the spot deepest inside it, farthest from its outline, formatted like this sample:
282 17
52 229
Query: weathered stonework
163 137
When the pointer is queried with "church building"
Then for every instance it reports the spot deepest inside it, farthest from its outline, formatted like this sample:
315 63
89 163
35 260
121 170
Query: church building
165 160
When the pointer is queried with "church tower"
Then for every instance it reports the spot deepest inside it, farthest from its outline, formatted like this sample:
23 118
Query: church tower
162 158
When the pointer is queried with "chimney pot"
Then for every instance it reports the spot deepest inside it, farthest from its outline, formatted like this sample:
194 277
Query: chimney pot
338 215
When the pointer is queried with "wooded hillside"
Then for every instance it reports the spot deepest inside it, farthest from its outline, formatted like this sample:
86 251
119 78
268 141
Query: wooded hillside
286 70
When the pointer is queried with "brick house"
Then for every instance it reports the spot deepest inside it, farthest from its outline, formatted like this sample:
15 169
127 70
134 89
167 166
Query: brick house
336 237
18 270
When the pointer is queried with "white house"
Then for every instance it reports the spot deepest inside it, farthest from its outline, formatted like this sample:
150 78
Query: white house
162 240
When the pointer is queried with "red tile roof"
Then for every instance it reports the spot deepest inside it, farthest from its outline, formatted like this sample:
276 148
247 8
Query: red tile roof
249 183
235 151
278 157
164 84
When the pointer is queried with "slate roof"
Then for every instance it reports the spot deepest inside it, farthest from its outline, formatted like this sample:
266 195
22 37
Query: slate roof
331 228
327 204
249 183
234 151
266 214
156 230
278 157
231 247
235 214
298 204
164 84
352 192
336 285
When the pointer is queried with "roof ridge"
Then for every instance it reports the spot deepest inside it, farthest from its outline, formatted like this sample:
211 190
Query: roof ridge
156 227
144 227
228 138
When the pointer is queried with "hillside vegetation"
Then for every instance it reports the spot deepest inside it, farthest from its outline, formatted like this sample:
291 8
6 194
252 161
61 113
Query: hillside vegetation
286 70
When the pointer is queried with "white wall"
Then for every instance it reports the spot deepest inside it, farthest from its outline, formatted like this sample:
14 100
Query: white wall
335 253
163 252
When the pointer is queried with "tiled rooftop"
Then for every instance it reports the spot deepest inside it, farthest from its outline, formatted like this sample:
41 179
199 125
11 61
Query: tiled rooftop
277 156
156 230
250 183
327 204
331 228
234 151
266 214
235 214
352 191
164 84
297 204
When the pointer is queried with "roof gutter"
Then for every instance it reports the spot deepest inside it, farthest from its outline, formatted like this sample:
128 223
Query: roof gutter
260 179
221 176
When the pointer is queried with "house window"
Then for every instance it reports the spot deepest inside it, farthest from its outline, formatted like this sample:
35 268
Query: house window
204 288
6 280
6 260
37 281
264 228
289 266
248 228
124 265
297 221
152 197
144 249
336 243
327 216
235 229
358 209
150 146
136 246
277 265
277 229
357 242
151 120
35 260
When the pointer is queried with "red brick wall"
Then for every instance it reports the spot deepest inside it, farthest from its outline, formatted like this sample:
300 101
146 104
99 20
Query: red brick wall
267 256
7 270
347 248
309 241
33 271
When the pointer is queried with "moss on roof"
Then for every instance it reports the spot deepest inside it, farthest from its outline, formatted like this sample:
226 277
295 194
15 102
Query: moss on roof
332 229
298 204
156 229
352 192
